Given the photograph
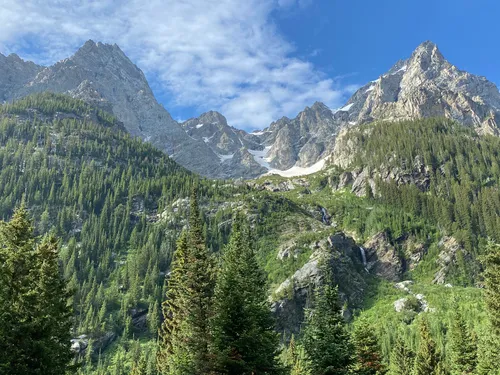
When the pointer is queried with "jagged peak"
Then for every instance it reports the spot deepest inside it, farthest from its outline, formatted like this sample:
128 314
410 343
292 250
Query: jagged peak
427 53
98 48
319 106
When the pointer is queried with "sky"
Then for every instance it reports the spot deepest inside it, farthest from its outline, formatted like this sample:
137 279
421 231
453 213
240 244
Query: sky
256 60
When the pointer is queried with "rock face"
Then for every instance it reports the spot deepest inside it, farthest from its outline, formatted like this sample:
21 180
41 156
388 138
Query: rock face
14 74
303 140
227 143
426 85
383 258
294 294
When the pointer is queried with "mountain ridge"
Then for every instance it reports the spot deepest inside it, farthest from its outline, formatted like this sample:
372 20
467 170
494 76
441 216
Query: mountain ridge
421 86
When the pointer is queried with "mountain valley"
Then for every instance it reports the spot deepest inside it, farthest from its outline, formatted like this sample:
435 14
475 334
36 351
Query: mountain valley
398 190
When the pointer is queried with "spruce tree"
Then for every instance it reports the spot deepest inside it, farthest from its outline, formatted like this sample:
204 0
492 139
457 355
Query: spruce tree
402 358
172 308
243 328
140 366
367 350
185 336
56 316
199 290
326 341
463 346
294 359
427 358
492 286
489 345
35 318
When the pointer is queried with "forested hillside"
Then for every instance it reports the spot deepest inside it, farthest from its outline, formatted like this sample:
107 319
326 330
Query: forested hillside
101 191
404 215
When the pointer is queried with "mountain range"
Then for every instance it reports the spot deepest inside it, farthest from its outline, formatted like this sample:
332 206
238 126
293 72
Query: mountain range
424 85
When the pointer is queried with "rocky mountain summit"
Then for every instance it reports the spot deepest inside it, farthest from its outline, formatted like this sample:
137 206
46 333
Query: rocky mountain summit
424 85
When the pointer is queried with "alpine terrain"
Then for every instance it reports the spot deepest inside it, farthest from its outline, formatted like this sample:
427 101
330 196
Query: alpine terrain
359 240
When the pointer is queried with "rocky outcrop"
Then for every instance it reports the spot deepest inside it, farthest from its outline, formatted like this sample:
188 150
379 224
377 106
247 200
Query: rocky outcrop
294 294
450 249
14 74
383 259
80 344
349 154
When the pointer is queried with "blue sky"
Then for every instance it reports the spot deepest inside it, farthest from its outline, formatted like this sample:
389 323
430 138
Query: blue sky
256 60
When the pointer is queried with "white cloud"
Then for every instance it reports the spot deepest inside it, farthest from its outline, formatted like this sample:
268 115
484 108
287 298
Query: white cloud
208 54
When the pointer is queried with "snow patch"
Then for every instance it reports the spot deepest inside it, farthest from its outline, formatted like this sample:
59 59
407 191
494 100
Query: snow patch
225 157
199 126
371 88
260 132
260 156
346 108
402 69
208 139
299 171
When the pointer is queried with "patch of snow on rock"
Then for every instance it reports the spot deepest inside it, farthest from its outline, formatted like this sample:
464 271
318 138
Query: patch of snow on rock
346 108
299 171
260 156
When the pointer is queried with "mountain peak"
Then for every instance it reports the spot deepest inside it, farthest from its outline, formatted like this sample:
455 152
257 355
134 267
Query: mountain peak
318 106
98 49
427 54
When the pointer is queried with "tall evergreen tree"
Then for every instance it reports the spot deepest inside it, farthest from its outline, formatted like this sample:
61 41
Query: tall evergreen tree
402 359
243 328
169 353
185 335
463 346
367 350
326 340
492 286
427 358
35 318
56 316
200 282
140 366
489 345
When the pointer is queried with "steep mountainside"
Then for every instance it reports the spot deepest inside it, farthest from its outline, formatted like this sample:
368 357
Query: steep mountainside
102 75
426 85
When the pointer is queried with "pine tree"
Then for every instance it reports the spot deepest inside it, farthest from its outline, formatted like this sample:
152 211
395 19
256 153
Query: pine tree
140 366
173 314
56 316
35 319
402 359
185 335
427 358
368 357
294 359
489 345
243 327
199 290
326 341
463 346
492 286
